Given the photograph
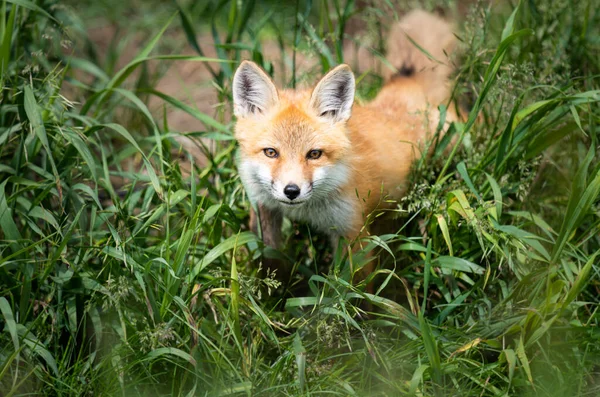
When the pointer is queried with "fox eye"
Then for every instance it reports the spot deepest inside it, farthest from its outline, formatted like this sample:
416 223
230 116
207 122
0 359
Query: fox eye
271 153
314 154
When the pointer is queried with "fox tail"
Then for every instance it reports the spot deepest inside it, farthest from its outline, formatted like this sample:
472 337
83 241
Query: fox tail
429 64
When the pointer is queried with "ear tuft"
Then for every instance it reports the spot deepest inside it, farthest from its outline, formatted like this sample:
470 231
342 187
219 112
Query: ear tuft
333 96
253 90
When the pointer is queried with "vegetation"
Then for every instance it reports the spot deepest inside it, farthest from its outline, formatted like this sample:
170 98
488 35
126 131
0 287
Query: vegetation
126 264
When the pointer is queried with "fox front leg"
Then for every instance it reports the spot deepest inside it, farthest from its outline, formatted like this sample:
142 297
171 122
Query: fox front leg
352 245
369 259
266 223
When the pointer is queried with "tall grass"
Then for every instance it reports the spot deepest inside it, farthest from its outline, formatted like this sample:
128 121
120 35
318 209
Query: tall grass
127 267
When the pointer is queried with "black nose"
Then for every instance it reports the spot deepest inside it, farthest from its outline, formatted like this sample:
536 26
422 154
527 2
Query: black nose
291 191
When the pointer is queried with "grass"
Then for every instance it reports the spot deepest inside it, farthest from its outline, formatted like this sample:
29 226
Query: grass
127 268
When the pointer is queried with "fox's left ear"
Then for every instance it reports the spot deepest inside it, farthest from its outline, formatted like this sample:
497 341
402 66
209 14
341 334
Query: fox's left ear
253 90
333 96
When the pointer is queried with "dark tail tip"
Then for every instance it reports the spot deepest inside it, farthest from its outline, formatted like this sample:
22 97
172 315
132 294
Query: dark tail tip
404 71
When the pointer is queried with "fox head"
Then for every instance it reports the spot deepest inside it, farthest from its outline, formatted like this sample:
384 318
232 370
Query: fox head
294 145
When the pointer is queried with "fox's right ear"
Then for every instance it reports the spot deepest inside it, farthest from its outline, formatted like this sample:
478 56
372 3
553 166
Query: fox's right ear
253 90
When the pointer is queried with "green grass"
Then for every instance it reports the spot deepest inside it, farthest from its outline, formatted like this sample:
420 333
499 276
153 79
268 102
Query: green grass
140 277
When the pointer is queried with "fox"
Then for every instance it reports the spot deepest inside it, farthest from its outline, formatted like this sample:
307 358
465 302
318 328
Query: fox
318 157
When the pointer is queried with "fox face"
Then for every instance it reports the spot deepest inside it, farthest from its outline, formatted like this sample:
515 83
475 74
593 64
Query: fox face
294 146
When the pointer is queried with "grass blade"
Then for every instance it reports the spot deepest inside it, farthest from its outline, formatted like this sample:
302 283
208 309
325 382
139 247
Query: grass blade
431 349
9 321
9 228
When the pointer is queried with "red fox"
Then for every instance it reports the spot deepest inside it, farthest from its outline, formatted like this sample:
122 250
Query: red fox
315 156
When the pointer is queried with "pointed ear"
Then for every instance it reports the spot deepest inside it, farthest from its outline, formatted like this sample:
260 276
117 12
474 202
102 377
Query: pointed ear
253 90
333 96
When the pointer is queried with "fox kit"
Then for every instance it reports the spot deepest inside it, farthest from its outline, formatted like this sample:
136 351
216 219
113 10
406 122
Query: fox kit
315 156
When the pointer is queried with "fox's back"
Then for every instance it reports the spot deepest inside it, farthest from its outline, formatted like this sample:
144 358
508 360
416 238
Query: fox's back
387 135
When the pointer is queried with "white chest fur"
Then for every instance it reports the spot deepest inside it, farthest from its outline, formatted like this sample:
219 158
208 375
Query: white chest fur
333 216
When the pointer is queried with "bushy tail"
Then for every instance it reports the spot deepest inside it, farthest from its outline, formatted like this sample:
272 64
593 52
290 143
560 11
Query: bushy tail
435 36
